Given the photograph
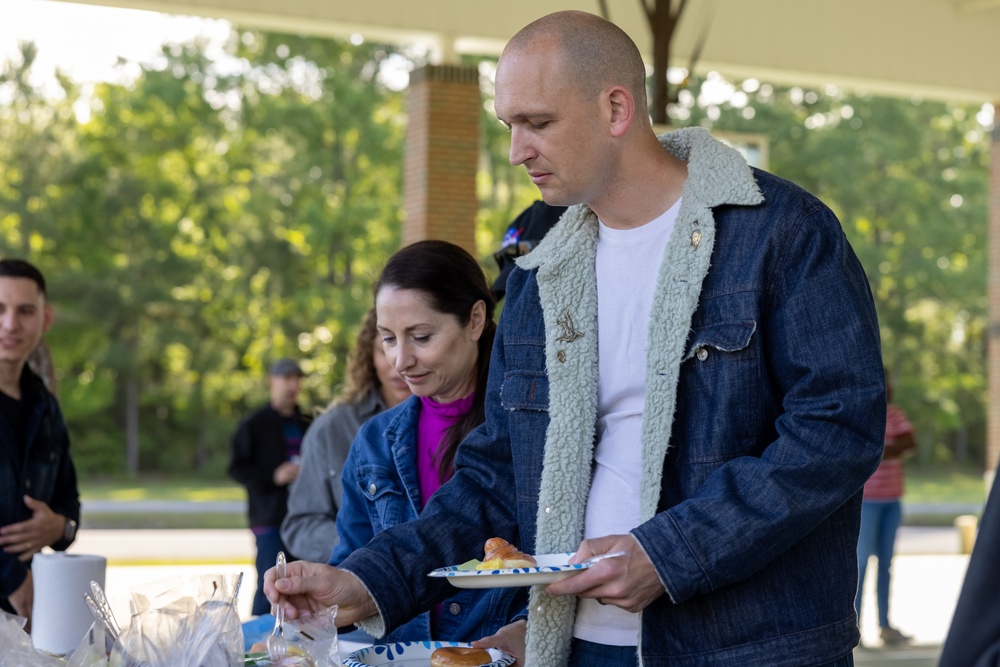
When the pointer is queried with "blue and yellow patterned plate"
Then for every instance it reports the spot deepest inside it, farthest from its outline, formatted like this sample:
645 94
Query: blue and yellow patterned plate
413 654
551 567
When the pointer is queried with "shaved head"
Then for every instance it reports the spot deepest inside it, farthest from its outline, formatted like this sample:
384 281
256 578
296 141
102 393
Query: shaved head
595 53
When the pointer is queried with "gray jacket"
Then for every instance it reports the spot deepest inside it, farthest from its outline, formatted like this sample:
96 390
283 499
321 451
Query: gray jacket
310 528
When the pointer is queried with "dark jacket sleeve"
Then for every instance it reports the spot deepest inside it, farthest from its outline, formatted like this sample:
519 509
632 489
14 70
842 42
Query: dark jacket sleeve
974 636
66 496
245 465
51 478
12 573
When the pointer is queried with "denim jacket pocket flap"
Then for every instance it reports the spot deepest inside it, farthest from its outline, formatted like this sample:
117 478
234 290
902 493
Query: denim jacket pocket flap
525 390
375 482
723 336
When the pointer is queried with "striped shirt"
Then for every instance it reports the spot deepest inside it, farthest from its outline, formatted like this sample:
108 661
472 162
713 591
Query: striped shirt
887 482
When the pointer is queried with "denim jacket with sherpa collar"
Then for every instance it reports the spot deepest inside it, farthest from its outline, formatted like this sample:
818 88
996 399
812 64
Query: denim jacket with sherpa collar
381 490
764 415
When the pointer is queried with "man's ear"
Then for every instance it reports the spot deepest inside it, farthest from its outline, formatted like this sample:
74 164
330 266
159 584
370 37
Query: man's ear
622 110
48 317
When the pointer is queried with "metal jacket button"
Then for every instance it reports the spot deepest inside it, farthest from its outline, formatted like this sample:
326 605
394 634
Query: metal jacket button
455 608
372 488
702 354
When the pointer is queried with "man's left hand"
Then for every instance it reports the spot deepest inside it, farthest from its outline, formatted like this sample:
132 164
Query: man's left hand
628 581
26 538
509 639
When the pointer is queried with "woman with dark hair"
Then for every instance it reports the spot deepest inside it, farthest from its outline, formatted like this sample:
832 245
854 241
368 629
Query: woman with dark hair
372 386
435 316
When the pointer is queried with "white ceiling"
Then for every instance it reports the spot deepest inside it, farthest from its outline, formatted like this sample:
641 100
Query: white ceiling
948 49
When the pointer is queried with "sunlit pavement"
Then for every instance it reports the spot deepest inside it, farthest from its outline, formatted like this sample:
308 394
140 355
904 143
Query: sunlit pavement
137 557
924 592
927 577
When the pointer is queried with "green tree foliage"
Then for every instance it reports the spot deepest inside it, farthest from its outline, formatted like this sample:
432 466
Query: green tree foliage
35 141
199 221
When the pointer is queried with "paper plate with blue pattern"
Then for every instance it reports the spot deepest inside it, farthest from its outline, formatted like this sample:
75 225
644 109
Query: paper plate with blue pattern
551 567
414 654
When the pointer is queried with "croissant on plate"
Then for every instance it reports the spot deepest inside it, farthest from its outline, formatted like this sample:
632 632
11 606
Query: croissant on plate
501 554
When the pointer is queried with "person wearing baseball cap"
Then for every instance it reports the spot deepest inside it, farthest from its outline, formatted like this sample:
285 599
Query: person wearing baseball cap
523 234
266 450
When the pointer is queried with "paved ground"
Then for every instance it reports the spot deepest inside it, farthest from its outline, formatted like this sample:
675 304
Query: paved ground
928 572
171 506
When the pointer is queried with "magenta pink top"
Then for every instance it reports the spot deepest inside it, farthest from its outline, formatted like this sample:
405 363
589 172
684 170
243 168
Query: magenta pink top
435 418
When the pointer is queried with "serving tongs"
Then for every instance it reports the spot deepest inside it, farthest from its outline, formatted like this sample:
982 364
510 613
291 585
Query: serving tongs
97 602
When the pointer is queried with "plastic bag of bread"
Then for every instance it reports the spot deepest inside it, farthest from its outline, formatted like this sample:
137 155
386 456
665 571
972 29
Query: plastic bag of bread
16 649
182 622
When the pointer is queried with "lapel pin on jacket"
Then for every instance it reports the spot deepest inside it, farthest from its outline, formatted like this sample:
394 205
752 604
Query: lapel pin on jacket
570 333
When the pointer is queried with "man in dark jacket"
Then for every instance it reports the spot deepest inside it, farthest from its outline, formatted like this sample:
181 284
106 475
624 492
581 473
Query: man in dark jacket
265 459
39 500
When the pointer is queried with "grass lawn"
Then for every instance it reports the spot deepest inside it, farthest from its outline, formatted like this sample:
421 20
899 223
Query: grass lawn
941 485
944 485
161 488
938 484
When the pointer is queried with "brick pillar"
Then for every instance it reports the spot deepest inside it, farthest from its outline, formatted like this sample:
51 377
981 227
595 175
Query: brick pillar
993 288
442 154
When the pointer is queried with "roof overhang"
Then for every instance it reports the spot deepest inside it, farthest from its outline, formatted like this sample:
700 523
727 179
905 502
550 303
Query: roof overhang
944 49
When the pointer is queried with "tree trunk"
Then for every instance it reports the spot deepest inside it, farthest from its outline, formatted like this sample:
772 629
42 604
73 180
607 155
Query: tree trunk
962 444
661 23
132 422
201 453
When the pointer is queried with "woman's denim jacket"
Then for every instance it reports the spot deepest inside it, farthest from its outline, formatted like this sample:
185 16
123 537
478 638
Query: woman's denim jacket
381 491
764 416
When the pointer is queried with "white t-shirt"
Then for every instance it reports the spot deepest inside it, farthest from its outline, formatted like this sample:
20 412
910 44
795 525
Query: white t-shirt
628 263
